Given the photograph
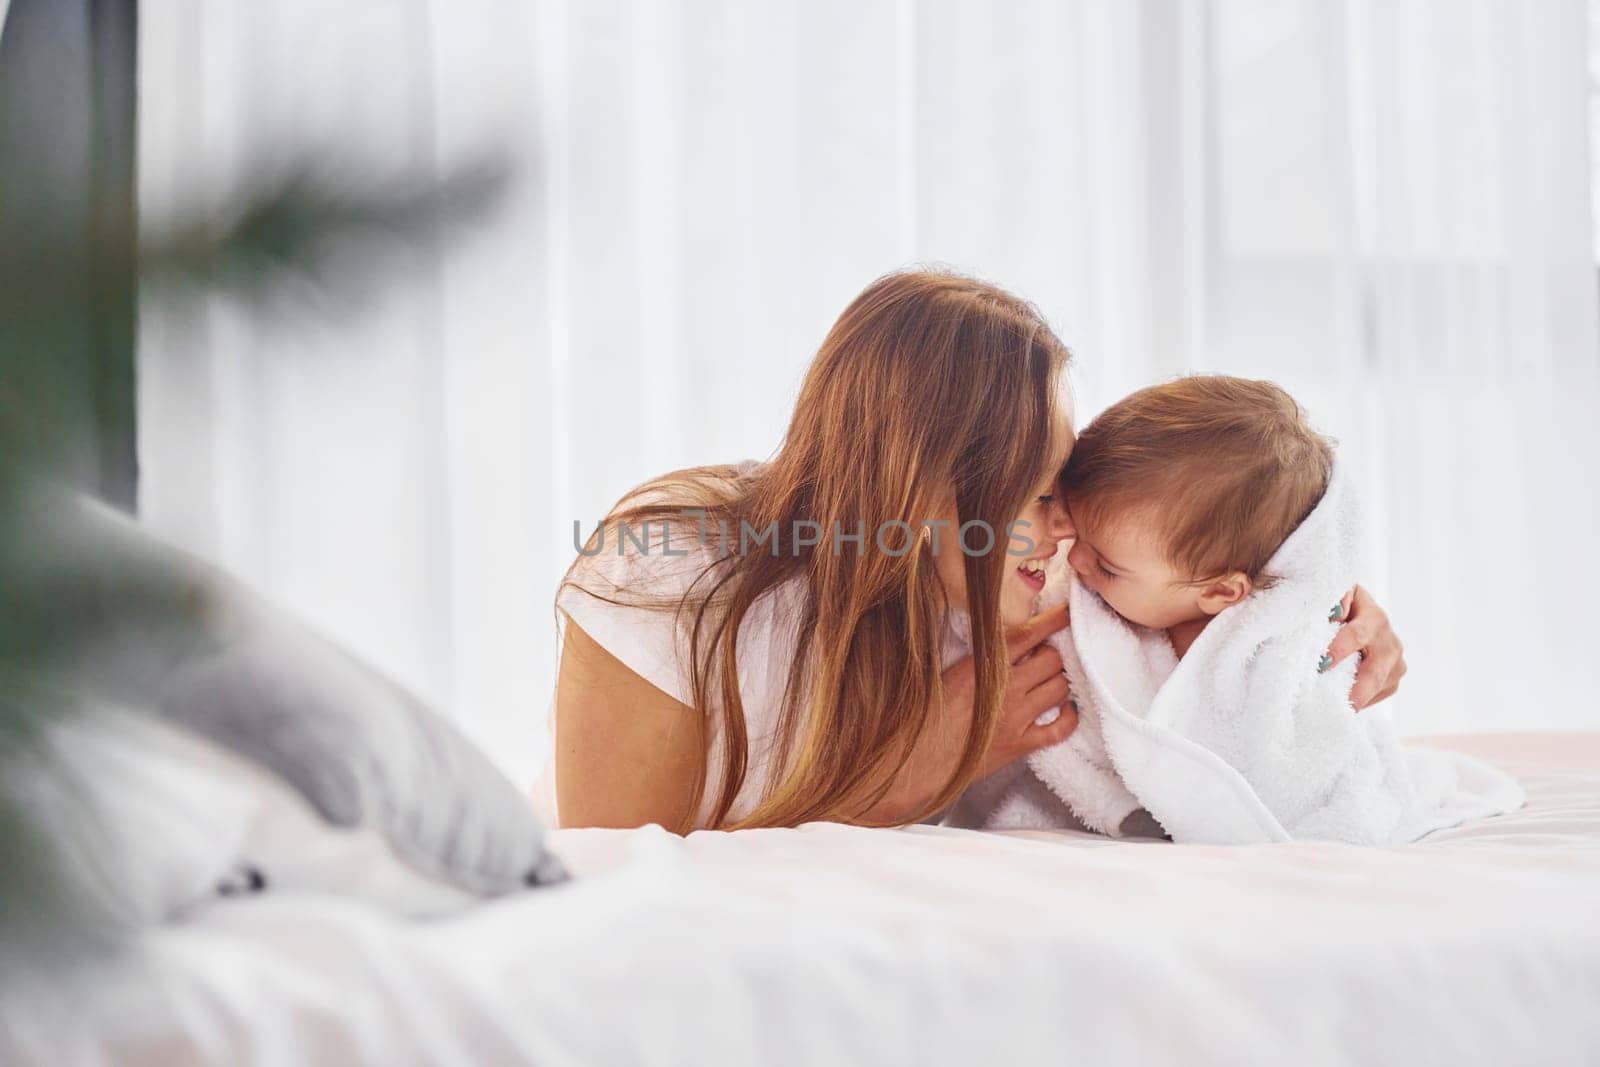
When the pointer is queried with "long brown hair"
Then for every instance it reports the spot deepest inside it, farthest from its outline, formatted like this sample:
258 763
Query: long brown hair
929 381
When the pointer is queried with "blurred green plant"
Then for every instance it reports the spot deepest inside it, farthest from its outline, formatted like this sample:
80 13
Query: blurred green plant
309 241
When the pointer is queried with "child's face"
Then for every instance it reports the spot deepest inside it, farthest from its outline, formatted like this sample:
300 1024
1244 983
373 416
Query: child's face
1124 562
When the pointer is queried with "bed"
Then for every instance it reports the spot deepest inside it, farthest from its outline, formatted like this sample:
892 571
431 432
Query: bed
930 945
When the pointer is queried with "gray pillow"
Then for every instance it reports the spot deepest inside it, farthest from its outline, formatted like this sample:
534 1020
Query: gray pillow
159 632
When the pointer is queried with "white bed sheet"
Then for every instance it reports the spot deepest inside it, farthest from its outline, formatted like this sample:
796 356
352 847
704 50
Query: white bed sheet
833 945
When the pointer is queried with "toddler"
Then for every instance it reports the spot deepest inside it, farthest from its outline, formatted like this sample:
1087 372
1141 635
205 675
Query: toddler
1216 533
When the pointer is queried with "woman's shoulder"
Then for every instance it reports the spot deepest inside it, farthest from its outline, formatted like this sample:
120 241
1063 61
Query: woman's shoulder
691 487
661 538
656 553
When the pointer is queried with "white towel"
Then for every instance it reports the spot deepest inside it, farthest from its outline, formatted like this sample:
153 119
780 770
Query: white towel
1243 740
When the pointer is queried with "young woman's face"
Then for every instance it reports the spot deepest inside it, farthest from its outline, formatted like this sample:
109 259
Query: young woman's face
1037 531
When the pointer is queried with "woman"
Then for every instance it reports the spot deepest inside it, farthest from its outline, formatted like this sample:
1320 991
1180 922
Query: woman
770 644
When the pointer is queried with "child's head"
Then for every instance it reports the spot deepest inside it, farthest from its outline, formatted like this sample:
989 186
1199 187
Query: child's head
1182 492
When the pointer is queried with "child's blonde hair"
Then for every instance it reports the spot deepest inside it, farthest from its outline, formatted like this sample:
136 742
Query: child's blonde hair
1225 468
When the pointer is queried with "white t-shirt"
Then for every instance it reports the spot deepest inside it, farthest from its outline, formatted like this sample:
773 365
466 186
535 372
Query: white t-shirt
651 644
655 646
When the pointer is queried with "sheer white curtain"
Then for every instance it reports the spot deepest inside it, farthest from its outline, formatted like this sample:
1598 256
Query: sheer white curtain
1383 205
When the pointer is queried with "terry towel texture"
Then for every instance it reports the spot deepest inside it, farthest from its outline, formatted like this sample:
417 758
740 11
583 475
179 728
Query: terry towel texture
1242 741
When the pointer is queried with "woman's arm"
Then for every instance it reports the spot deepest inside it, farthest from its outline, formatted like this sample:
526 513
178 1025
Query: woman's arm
627 754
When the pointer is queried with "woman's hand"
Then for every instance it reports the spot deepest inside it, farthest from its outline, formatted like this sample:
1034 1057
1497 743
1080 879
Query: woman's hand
1037 684
1367 631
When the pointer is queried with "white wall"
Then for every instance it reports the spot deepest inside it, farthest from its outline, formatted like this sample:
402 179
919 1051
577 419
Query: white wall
1383 205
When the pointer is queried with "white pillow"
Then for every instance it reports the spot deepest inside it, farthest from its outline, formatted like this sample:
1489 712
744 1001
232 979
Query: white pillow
147 820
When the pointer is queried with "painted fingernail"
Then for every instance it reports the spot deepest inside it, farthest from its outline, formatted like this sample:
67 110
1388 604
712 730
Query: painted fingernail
1324 663
1337 613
